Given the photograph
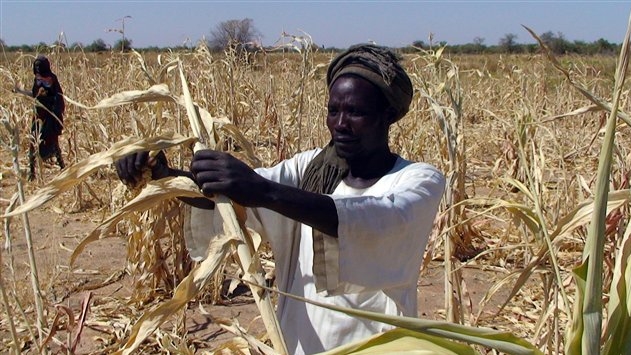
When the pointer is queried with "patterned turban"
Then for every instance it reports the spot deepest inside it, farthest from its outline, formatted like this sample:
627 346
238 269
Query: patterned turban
381 67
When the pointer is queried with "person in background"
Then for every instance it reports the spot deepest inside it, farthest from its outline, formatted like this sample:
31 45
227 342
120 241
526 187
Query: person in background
348 223
49 115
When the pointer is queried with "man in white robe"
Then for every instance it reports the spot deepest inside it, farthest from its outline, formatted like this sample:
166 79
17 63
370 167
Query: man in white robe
348 223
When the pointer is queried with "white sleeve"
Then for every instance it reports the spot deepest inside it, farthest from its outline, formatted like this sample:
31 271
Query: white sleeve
382 237
202 224
275 228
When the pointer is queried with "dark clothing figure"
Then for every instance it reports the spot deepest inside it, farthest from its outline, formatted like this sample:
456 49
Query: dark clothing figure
48 121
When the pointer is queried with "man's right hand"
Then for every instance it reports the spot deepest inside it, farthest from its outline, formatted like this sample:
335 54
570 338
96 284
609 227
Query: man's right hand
130 168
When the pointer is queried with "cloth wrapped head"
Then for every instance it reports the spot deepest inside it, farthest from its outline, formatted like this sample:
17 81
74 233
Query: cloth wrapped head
41 66
381 67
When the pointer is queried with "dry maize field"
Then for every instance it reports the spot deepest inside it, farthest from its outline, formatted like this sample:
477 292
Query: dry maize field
517 136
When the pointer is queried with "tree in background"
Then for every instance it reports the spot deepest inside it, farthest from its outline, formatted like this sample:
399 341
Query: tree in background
478 44
245 37
123 45
557 43
604 46
98 45
237 34
59 44
508 43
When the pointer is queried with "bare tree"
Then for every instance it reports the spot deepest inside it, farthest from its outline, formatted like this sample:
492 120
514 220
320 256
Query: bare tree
478 44
508 43
233 33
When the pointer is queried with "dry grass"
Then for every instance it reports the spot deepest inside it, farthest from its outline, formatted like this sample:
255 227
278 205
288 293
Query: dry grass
510 125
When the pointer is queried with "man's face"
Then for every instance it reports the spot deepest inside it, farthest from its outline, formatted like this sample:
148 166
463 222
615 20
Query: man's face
356 118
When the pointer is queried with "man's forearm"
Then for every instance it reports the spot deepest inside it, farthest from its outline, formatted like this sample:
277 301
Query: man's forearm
312 209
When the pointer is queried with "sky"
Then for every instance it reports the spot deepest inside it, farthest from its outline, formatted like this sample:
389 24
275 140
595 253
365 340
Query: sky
329 23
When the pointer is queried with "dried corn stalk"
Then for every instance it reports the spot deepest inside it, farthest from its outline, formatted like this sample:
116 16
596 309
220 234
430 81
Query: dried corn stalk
248 259
233 227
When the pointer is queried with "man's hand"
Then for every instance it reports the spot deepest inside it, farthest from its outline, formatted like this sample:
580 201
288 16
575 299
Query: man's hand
221 173
131 168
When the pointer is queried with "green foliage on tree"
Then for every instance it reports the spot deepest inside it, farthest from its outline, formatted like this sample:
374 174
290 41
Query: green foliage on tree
98 45
243 35
123 45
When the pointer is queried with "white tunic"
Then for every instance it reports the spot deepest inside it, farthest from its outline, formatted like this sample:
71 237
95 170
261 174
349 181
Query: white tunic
373 264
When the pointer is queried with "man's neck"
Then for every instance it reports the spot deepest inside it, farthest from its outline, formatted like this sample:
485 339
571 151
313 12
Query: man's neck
366 173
